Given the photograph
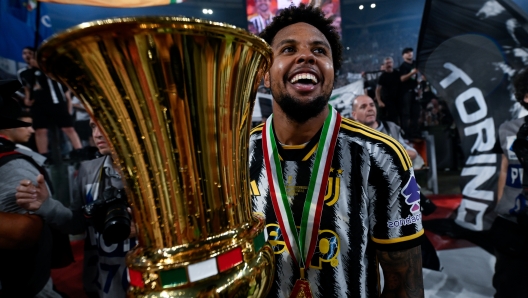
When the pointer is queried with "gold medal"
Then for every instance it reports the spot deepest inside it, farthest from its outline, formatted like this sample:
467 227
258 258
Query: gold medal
301 289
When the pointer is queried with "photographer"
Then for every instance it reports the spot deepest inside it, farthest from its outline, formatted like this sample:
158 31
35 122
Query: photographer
99 208
510 230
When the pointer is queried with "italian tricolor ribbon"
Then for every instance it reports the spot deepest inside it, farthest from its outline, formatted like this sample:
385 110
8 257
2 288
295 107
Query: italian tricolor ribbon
301 245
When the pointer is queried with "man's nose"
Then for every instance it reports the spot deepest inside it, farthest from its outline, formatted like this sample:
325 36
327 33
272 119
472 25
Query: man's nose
306 56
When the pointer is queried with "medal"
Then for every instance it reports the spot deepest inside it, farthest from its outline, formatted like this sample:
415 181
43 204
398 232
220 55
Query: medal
301 289
301 246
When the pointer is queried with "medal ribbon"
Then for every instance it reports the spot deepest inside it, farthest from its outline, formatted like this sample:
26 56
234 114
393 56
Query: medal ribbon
301 245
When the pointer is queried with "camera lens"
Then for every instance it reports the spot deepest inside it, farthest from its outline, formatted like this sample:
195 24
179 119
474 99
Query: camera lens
117 223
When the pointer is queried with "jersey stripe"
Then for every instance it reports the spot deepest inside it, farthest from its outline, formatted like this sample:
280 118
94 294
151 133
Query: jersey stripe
388 138
383 135
397 147
256 129
399 239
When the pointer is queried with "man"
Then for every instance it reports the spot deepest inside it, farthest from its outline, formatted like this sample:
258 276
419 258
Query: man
105 272
364 111
25 73
410 107
353 188
26 240
388 92
49 106
510 228
263 17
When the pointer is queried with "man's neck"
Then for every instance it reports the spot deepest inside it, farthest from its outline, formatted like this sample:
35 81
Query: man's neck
5 135
289 132
374 125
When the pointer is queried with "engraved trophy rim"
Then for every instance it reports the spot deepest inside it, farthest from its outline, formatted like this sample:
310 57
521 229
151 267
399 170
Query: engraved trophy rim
137 24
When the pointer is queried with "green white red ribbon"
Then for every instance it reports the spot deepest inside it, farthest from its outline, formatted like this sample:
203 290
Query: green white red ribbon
305 240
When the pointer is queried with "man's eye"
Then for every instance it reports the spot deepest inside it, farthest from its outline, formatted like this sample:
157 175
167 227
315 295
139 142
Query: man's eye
320 51
287 50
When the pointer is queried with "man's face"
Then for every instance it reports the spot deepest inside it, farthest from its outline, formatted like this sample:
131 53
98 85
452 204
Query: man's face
22 134
262 5
364 110
389 65
27 54
408 56
301 77
99 139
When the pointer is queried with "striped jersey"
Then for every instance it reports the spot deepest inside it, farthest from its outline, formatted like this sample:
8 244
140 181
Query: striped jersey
372 202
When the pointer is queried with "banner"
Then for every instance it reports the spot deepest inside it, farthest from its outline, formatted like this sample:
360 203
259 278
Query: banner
469 51
19 20
116 3
341 98
261 12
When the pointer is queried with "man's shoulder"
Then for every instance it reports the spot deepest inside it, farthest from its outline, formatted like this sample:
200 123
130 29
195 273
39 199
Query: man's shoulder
511 127
391 124
91 165
256 132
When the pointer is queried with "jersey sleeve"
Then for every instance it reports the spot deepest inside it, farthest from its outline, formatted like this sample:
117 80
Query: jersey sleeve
394 196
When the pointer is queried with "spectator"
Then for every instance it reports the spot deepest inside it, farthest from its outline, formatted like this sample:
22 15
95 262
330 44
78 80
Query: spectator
409 106
510 227
49 106
26 255
95 178
388 92
364 111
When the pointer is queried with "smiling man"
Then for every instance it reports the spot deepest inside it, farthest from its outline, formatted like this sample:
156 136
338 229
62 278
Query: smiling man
339 198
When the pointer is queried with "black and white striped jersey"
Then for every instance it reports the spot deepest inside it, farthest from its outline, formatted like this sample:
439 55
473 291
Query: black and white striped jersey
372 202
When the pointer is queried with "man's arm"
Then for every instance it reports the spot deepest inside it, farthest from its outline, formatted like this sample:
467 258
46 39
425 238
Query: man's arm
402 271
27 97
406 77
378 97
19 231
502 177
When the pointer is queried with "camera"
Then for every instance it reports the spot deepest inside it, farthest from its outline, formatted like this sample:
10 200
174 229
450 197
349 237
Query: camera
109 215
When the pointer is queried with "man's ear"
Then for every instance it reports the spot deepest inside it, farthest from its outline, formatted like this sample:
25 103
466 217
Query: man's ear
267 80
525 98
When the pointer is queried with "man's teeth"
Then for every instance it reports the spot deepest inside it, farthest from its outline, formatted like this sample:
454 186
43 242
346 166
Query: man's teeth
304 76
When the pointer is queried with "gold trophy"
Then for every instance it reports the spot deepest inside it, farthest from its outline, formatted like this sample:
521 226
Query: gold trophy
174 97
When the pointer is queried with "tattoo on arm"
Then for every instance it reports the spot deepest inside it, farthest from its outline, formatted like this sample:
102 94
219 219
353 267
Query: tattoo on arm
403 272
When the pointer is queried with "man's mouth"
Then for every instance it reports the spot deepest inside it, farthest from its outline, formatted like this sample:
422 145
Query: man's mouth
304 78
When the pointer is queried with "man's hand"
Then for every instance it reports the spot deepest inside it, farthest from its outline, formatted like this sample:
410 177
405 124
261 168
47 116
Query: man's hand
31 197
381 104
402 271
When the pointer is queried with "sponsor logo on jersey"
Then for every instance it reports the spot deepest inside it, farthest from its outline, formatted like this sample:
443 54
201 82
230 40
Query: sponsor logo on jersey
409 220
411 192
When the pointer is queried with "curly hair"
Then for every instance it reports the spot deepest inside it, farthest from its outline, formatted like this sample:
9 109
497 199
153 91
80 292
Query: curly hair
310 15
520 84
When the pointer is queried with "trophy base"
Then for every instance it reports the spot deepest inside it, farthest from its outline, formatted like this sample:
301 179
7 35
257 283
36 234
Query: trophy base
248 279
236 264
